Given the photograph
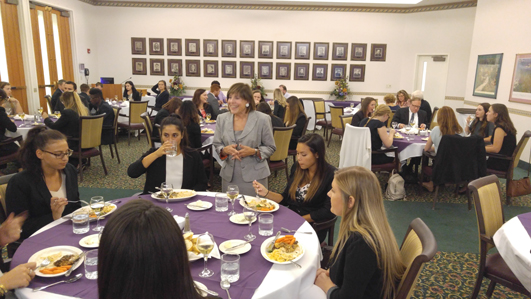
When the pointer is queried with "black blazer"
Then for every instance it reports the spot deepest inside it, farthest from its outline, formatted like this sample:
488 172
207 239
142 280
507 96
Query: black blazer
402 116
279 111
55 100
27 191
277 122
85 99
107 133
297 131
194 135
162 97
67 124
208 109
357 118
194 176
213 102
6 124
162 114
136 95
425 106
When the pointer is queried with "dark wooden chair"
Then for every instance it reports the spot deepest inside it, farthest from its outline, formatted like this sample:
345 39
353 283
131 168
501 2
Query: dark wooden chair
329 226
336 124
90 128
115 130
149 130
135 122
319 107
49 101
293 152
11 157
208 160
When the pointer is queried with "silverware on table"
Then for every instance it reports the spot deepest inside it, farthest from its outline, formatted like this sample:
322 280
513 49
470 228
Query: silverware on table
294 231
240 245
295 263
195 206
73 279
272 245
80 256
44 263
245 200
225 284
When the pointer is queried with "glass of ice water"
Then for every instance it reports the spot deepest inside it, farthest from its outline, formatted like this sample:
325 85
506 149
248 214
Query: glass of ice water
80 222
172 152
91 264
230 267
222 202
265 224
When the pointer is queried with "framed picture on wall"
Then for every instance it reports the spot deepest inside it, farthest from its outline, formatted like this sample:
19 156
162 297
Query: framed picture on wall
192 47
320 72
265 49
210 46
521 78
157 67
302 50
339 51
265 70
283 50
175 67
138 45
228 48
302 71
358 52
174 46
211 68
320 51
246 69
357 73
488 71
338 72
378 52
156 46
247 49
192 68
139 66
228 69
283 71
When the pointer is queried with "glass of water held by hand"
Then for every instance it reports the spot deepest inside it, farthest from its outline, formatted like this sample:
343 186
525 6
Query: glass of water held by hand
91 264
80 221
172 151
230 267
265 224
222 202
97 204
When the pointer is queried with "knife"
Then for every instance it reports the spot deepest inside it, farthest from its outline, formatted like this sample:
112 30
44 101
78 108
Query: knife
239 245
75 261
245 200
272 245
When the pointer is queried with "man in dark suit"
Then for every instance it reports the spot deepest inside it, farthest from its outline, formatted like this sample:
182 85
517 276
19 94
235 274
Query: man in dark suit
57 94
411 114
99 106
424 105
84 94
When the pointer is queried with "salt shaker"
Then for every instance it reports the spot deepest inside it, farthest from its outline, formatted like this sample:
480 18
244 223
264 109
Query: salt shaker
186 223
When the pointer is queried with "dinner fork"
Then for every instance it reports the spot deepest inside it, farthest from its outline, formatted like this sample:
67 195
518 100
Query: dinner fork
294 231
295 263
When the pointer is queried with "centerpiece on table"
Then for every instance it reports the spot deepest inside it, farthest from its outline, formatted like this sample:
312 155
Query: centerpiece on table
177 87
256 84
341 90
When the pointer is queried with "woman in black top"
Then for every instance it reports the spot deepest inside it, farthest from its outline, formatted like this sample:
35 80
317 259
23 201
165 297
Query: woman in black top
163 95
367 107
365 262
172 107
190 117
130 92
503 139
258 97
6 124
379 136
480 125
279 102
200 102
295 116
311 178
275 121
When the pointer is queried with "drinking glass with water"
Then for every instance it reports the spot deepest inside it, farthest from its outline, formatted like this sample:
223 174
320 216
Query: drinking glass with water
80 222
222 202
265 224
230 267
91 264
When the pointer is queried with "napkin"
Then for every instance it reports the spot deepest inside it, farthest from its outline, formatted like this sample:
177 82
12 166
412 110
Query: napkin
32 117
214 253
180 221
413 131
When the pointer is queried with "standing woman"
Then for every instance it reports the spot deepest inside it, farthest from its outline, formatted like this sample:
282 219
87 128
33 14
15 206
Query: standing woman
402 98
504 137
190 117
6 124
130 92
480 126
365 261
379 136
367 107
47 182
280 103
244 139
11 104
162 94
160 168
295 116
201 103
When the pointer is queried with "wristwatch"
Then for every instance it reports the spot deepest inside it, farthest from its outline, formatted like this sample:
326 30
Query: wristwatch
256 152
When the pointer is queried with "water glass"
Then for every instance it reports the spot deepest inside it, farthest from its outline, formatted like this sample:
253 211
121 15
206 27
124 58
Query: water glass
222 202
265 224
91 264
230 267
80 222
172 152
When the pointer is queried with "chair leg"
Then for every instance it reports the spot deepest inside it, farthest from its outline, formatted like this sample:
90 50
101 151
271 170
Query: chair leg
80 169
490 289
287 175
329 139
138 134
477 287
128 137
435 197
103 162
116 150
110 149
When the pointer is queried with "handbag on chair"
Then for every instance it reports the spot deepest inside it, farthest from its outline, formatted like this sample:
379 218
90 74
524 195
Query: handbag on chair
520 187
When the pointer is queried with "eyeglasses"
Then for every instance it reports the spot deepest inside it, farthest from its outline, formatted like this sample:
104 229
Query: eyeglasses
61 155
415 106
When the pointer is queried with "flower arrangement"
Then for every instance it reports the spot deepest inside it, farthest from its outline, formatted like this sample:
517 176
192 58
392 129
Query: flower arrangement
341 90
177 87
256 84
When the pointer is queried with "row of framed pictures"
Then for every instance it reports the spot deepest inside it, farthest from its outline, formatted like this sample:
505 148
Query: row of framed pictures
265 49
247 69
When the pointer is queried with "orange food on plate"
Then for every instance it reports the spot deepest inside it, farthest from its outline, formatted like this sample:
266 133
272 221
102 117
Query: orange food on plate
55 270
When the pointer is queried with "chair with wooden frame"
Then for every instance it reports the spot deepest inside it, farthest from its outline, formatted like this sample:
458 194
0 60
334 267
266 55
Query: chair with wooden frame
149 130
329 226
89 138
293 152
487 196
135 119
336 125
11 157
419 247
208 160
49 101
4 179
279 159
115 130
433 122
319 107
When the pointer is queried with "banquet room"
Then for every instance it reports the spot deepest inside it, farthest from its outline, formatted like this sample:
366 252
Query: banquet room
461 232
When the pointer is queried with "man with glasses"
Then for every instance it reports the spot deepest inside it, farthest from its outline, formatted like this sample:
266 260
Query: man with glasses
411 115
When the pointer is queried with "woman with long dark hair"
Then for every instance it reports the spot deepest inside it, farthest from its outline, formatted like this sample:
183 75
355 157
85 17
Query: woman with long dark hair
367 107
190 117
295 116
130 92
6 124
163 96
504 137
480 125
171 107
201 103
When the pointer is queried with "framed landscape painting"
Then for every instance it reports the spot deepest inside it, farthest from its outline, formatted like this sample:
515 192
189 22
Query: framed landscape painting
487 75
521 85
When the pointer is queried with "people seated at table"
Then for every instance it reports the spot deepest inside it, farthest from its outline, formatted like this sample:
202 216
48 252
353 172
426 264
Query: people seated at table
163 96
367 107
171 107
142 254
411 115
424 105
99 106
59 88
310 180
379 135
479 125
279 102
365 262
266 109
212 99
390 100
203 108
67 86
47 182
402 99
295 116
503 139
6 124
130 92
244 140
284 91
258 97
185 170
190 118
11 104
84 94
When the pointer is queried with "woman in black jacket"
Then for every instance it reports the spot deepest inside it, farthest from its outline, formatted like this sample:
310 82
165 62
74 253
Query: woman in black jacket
130 92
200 102
190 117
159 167
172 107
295 116
163 96
367 107
6 124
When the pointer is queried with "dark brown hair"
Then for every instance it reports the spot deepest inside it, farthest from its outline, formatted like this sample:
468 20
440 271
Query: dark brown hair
196 99
302 176
365 105
175 120
37 138
188 113
503 119
173 104
482 123
295 108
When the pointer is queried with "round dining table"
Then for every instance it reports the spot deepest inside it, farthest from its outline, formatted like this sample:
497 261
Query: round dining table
23 128
259 278
409 146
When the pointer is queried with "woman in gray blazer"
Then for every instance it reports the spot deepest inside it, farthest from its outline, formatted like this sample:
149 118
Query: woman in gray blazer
244 140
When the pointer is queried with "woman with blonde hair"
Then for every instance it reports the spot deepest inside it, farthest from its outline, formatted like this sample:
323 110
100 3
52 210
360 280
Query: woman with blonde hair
279 102
403 98
379 136
295 116
365 261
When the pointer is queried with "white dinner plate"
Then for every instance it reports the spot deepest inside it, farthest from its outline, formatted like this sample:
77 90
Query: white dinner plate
263 251
201 287
39 256
240 250
210 121
154 195
92 241
107 203
209 132
240 219
193 206
250 198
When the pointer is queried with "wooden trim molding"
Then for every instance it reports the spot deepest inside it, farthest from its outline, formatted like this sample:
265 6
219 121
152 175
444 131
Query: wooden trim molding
511 110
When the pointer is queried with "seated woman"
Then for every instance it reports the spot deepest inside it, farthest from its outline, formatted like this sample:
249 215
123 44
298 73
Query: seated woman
367 107
365 262
295 116
201 103
160 168
403 99
503 139
258 97
190 118
130 92
132 234
171 107
480 126
379 135
390 100
266 109
6 124
11 104
163 95
44 156
279 102
311 178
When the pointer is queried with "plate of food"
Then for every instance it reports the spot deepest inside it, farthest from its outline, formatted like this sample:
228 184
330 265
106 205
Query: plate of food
109 208
61 259
223 247
210 121
199 205
286 249
425 139
207 131
92 241
191 246
398 136
175 195
261 205
240 219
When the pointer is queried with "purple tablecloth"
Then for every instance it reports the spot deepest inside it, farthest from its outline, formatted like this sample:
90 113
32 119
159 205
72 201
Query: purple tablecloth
253 267
205 136
343 103
525 219
401 144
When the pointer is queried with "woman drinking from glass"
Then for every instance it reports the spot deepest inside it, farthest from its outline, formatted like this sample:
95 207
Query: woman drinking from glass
480 125
503 139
